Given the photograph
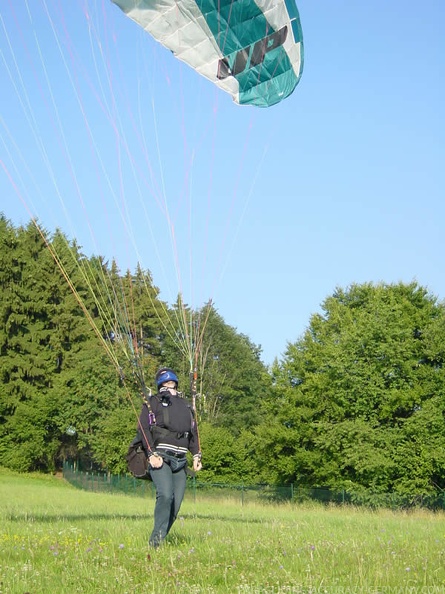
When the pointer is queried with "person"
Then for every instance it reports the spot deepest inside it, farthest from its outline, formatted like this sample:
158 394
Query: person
169 429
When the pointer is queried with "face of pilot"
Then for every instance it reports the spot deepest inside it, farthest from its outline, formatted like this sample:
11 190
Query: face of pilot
171 385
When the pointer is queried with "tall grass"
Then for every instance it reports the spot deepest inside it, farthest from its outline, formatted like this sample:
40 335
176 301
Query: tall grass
56 539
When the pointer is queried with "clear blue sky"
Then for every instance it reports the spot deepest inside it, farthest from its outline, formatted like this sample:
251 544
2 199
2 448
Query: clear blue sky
102 130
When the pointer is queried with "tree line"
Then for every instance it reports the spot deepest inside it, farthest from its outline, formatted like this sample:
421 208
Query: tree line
356 403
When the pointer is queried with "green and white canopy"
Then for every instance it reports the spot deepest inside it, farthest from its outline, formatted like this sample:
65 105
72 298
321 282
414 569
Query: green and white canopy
251 49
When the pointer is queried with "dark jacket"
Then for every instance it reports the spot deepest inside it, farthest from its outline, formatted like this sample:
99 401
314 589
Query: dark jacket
176 427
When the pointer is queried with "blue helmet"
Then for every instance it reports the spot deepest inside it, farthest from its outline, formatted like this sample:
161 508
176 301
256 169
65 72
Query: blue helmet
165 375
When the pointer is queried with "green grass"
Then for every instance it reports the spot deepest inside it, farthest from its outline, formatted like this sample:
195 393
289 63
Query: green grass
57 539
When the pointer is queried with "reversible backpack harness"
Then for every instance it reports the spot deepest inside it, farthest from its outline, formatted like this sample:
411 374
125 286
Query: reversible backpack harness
137 459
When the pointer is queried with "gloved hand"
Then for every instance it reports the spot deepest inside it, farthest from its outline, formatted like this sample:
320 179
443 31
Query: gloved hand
155 461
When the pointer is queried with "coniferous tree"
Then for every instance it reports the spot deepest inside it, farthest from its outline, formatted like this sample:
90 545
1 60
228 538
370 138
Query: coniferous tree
91 386
29 362
234 380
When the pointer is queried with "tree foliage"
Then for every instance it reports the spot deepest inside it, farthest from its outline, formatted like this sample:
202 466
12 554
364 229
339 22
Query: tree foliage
80 343
358 402
362 393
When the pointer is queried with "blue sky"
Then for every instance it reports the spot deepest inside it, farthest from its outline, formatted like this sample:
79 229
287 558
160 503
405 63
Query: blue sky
103 132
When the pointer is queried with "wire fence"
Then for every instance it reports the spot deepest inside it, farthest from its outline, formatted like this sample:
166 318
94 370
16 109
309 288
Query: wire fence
244 493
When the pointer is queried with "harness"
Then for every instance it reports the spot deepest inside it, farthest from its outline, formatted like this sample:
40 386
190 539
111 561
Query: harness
159 432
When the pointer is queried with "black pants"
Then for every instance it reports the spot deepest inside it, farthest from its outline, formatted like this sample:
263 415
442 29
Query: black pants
170 489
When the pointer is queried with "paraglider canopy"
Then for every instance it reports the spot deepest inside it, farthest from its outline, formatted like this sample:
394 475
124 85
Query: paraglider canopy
252 50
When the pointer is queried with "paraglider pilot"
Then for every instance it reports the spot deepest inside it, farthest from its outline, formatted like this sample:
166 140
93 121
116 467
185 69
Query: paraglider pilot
168 426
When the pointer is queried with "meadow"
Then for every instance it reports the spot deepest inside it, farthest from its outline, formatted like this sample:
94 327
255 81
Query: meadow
55 538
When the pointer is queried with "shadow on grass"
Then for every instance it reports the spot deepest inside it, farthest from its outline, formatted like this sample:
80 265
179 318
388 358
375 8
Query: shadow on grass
44 518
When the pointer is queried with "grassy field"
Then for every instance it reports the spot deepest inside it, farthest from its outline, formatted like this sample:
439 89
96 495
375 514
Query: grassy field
56 539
